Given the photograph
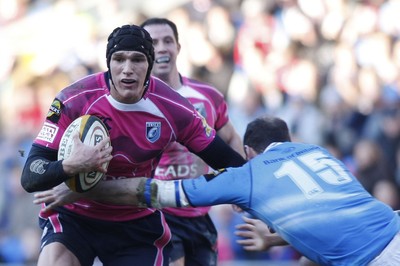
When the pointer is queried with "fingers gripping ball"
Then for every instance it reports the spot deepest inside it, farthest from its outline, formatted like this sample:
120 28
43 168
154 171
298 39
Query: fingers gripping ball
91 131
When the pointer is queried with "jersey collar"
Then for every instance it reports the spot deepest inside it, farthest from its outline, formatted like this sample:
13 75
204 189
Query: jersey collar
270 146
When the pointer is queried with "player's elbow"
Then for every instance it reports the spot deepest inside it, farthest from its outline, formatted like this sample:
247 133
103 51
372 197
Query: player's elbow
28 183
32 182
41 171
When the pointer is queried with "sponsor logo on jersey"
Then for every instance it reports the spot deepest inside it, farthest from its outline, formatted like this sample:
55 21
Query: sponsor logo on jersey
48 132
178 171
153 131
54 112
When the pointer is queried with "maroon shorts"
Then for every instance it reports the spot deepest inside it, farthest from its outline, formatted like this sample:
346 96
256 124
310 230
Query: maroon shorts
144 241
193 238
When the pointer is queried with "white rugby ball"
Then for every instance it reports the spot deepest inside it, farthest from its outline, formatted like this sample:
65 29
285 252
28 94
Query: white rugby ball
91 131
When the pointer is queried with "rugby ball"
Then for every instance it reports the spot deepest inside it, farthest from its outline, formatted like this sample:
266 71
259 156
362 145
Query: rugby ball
91 131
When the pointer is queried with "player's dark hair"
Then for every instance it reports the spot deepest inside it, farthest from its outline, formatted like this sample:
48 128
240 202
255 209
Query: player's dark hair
162 21
131 38
265 130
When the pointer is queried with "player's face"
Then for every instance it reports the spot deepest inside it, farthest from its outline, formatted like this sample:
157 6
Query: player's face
128 70
166 50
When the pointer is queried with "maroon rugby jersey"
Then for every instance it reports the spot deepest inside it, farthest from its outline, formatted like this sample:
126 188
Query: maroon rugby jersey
139 133
178 162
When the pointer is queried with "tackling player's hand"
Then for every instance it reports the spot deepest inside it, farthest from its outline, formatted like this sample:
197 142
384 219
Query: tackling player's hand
257 236
55 197
253 232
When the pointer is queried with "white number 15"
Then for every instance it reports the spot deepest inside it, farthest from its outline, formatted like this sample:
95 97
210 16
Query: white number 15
324 167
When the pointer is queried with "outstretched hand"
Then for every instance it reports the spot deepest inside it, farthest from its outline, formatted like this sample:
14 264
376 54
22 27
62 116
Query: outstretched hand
57 196
253 232
257 236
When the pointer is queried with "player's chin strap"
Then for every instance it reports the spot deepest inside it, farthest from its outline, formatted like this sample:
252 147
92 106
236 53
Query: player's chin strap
157 194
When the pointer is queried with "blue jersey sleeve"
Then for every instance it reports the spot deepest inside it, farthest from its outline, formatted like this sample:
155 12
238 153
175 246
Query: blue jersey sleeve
228 186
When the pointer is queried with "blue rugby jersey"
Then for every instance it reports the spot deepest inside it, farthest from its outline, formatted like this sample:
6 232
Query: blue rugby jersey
309 198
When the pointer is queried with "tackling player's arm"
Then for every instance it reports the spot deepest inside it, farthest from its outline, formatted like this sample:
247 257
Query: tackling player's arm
141 192
146 192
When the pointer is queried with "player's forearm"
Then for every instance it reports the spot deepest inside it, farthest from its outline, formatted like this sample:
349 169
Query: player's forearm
220 155
119 192
41 170
141 192
232 138
159 193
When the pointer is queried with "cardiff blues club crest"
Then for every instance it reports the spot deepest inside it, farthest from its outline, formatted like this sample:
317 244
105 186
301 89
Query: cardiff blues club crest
153 131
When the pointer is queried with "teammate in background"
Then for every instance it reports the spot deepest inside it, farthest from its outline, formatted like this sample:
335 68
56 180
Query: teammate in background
194 236
143 116
299 190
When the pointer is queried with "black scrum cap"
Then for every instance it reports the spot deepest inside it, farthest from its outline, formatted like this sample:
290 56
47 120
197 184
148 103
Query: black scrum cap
131 38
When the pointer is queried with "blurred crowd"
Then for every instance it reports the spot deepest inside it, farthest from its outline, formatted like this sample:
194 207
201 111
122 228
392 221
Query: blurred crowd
331 69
